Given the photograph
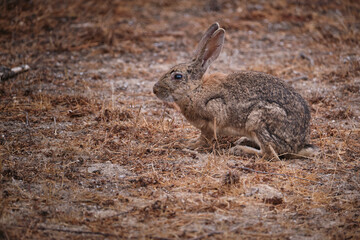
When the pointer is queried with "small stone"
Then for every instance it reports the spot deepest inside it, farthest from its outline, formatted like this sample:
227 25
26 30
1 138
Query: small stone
266 193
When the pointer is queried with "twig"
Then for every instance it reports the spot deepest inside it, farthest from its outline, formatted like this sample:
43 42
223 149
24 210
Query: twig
55 132
272 173
138 115
274 153
304 56
6 73
27 119
215 135
299 78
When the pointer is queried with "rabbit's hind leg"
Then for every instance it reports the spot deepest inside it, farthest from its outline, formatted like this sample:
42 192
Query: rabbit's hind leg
245 141
268 125
243 149
246 145
254 146
270 144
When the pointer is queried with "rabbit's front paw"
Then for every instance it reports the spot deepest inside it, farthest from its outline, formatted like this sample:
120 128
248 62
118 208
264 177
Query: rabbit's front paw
200 142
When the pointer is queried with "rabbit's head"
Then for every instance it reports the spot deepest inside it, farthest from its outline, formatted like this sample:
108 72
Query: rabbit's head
185 77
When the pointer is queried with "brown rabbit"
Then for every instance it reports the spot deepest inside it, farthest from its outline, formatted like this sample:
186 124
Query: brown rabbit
270 117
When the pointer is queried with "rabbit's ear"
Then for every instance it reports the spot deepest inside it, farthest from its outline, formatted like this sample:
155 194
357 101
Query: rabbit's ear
212 49
207 35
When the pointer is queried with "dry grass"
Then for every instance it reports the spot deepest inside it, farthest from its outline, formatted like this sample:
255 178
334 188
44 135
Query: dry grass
87 151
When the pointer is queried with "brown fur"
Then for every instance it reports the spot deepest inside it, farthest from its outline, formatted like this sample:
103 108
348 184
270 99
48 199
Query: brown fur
255 106
213 79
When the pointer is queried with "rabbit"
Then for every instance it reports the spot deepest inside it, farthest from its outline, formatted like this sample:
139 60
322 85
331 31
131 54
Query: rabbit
269 117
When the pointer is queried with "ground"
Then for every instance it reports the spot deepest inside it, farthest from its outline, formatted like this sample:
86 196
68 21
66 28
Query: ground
88 151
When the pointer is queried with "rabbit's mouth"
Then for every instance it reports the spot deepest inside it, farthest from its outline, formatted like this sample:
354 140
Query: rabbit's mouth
162 94
168 98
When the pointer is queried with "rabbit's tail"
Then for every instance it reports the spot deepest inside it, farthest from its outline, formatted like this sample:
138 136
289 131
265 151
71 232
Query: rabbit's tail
309 150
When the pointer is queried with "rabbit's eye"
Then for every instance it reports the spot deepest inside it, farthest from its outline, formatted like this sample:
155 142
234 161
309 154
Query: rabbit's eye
178 76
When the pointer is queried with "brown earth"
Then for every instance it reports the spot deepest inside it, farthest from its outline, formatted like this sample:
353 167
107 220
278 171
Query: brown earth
87 151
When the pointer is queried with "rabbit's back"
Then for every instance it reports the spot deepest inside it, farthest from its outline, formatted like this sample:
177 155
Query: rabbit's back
251 88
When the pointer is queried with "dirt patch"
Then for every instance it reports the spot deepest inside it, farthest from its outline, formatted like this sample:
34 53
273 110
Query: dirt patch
87 151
